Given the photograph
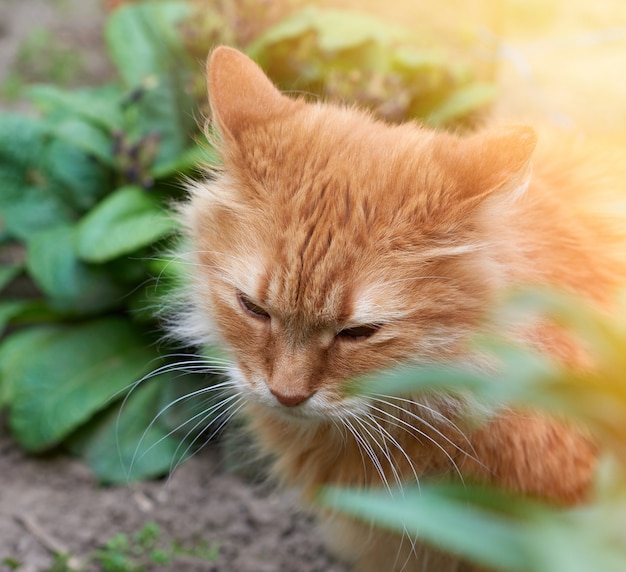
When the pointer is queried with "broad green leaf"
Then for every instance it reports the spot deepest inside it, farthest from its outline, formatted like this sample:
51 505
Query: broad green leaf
60 384
37 209
70 283
125 221
100 106
142 39
9 309
43 181
21 138
15 354
167 111
8 272
452 523
408 59
130 441
497 530
157 73
73 175
335 30
21 144
86 137
410 380
39 311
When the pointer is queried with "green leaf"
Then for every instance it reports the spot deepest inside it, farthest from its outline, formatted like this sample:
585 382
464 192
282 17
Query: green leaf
35 210
125 221
63 380
9 309
142 38
167 111
86 137
24 206
100 106
73 175
125 444
335 30
497 529
21 138
15 354
8 272
70 283
157 73
42 179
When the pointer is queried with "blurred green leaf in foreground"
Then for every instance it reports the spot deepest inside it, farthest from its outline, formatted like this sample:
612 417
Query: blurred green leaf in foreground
499 529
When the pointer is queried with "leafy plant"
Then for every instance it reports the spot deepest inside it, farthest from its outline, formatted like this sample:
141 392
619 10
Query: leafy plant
346 56
353 57
498 529
84 191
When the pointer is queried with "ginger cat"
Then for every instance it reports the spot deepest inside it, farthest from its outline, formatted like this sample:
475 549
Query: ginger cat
329 245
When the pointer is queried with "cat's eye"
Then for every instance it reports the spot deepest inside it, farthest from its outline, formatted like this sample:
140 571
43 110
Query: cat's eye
358 333
251 308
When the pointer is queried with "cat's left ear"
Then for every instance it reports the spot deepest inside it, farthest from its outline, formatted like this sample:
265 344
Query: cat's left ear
240 93
496 163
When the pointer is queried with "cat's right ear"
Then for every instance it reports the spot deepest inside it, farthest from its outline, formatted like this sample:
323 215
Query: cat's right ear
240 93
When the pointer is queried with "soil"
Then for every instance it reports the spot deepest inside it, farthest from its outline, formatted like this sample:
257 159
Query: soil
54 503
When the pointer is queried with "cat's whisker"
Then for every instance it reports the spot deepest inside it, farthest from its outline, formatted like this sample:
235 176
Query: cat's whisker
200 358
358 439
214 407
410 427
184 257
235 407
412 538
430 426
341 430
375 426
166 368
434 413
378 422
191 395
372 454
177 459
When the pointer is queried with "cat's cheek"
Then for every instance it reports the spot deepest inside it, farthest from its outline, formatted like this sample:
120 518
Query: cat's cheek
251 387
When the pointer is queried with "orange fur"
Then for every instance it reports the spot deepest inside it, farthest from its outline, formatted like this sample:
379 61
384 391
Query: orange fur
323 220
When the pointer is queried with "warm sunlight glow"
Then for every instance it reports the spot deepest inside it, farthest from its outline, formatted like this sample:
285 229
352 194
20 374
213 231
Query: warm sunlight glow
556 61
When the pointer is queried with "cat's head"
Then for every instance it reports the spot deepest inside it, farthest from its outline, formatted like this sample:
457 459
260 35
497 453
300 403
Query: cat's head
330 244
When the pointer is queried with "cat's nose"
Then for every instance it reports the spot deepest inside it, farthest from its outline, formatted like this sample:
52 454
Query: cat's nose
291 399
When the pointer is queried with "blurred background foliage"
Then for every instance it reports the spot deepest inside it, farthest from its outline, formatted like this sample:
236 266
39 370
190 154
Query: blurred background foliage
85 184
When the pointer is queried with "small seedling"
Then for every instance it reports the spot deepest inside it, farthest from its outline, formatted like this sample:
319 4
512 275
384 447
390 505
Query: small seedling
11 563
123 553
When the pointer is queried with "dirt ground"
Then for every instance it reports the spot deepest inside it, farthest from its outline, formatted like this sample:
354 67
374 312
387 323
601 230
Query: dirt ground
56 504
565 65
